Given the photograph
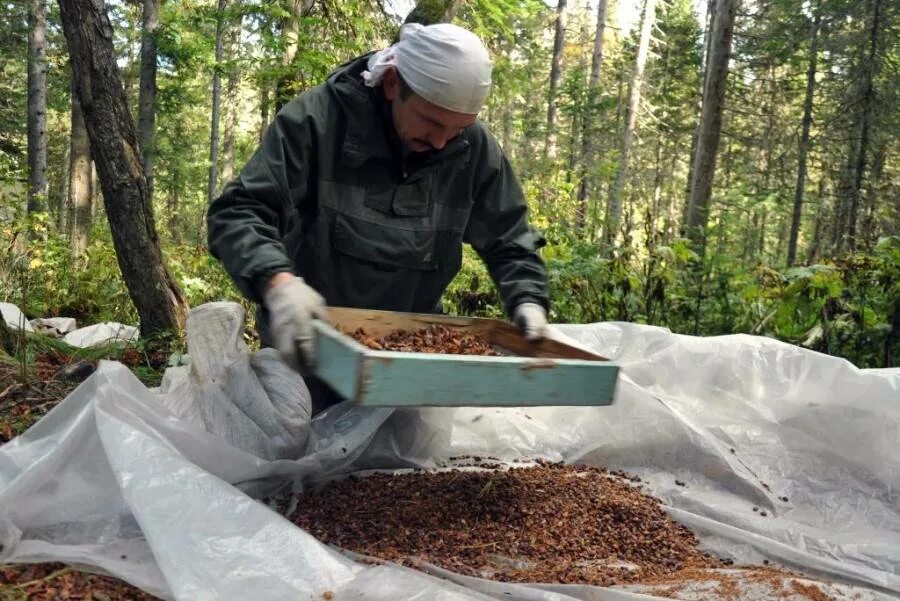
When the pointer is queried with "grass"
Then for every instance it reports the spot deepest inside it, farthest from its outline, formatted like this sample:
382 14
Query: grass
29 388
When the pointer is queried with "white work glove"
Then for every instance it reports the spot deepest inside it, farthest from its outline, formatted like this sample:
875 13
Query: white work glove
532 320
292 305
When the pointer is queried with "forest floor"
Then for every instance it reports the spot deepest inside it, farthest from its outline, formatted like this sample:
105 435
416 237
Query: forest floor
32 384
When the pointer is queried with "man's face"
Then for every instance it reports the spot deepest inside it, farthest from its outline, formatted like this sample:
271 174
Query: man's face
421 125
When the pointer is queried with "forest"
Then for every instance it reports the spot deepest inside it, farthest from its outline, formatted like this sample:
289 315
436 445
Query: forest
712 167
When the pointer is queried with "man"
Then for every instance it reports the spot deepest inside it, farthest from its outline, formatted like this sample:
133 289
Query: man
365 187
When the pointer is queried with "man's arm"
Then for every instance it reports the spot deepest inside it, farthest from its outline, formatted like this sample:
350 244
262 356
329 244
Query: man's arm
246 224
499 231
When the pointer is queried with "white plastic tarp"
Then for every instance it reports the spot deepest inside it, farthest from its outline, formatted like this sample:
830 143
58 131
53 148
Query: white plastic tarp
130 481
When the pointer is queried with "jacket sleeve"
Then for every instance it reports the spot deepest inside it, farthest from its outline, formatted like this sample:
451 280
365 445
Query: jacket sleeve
246 225
499 231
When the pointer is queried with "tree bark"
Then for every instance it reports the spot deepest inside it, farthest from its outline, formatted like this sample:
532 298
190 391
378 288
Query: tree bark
710 122
804 139
587 137
290 29
147 91
154 292
131 68
264 104
80 193
812 253
869 226
707 36
429 12
213 185
634 103
62 207
37 106
559 40
231 107
868 107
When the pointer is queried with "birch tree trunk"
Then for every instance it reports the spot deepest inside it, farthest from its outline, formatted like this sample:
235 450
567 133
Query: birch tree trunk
586 186
707 36
428 12
295 10
213 185
804 139
710 121
231 106
614 213
80 194
555 77
854 173
37 106
264 105
113 139
147 91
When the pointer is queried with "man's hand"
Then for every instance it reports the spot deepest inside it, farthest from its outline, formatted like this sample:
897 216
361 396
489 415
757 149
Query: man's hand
292 305
532 320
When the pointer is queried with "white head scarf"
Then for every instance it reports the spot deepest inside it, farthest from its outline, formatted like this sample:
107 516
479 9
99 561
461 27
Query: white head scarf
444 64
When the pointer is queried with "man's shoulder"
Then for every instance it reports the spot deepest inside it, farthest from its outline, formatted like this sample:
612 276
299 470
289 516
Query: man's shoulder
315 102
482 140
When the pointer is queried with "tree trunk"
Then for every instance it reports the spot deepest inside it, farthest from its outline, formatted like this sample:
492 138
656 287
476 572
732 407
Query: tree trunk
868 225
155 293
37 106
213 185
264 103
868 107
131 69
762 235
287 84
172 207
559 40
587 136
634 104
62 206
804 139
812 253
707 37
80 194
147 92
710 122
429 12
231 107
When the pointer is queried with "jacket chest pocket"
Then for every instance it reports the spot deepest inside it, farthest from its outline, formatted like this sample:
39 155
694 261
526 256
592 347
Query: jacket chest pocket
384 244
393 230
412 198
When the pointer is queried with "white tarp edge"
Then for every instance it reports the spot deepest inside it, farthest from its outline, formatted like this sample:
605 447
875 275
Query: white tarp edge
129 481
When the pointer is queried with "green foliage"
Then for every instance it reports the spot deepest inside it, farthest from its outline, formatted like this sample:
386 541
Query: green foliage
844 308
13 22
844 305
45 278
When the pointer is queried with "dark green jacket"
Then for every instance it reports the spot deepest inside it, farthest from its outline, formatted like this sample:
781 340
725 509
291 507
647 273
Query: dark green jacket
327 197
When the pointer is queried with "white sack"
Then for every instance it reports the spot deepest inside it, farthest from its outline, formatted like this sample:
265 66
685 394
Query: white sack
54 326
14 317
101 333
112 473
254 402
